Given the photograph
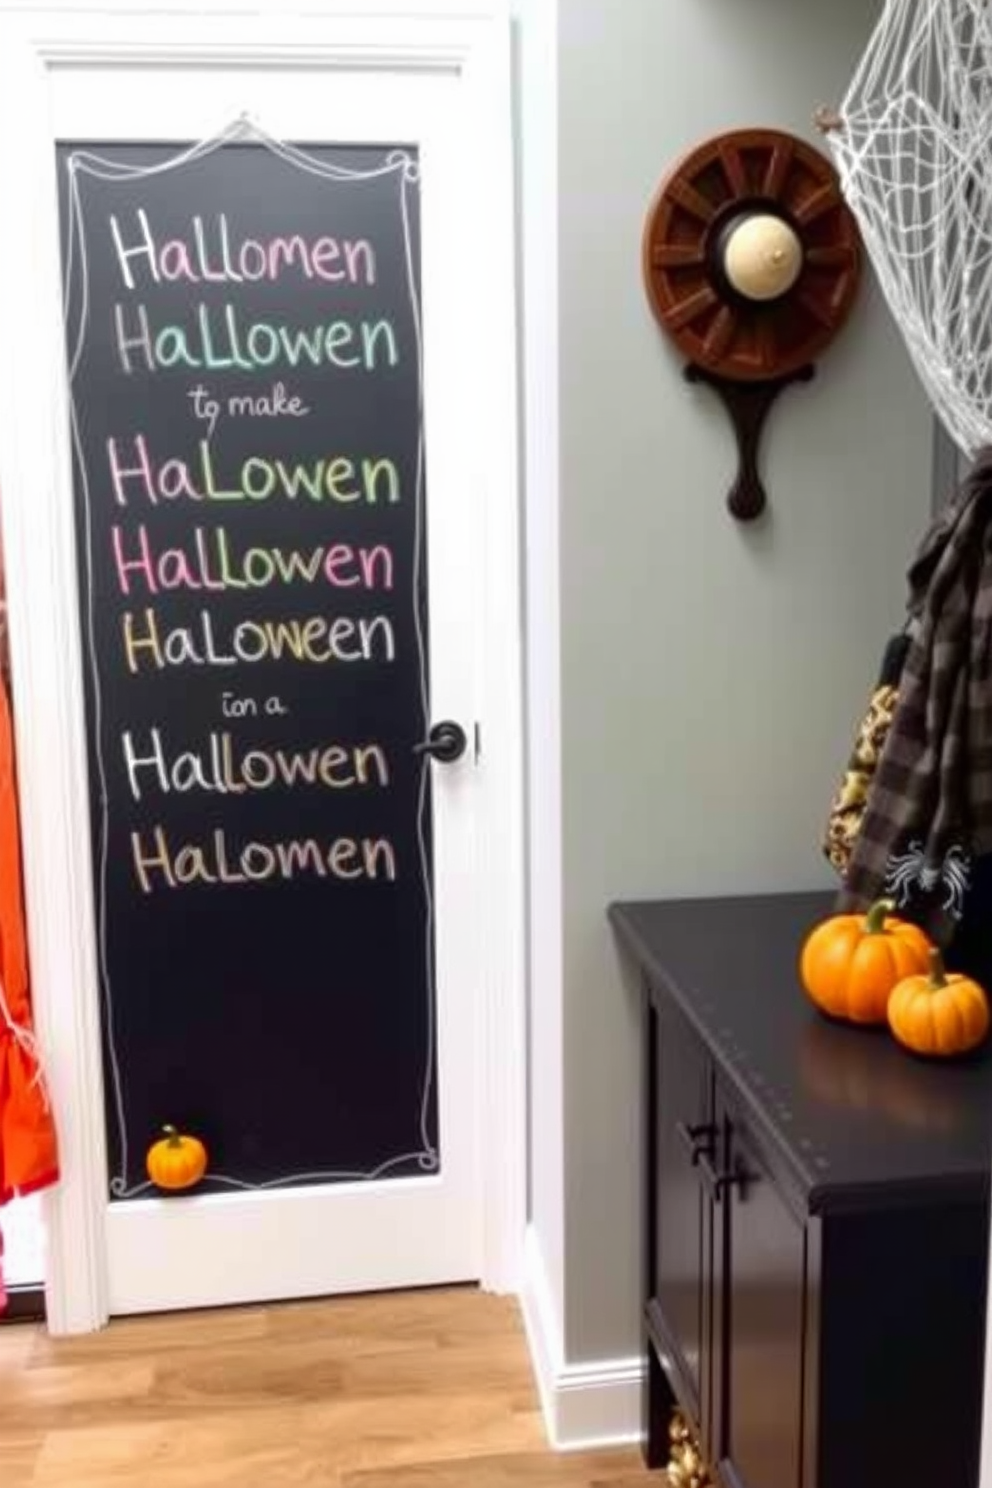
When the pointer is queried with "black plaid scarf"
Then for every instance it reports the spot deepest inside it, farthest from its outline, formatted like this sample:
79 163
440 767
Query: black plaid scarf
929 808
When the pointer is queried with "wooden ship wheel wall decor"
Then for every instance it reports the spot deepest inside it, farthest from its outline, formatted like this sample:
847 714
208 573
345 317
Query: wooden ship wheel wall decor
752 263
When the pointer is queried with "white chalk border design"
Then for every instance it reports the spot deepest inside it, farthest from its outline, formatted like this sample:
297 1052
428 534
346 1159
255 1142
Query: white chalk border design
401 165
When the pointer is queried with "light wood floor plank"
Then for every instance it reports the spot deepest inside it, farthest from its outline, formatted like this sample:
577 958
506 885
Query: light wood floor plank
513 1470
427 1389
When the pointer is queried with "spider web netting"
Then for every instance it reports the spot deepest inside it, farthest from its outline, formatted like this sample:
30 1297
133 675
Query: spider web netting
914 155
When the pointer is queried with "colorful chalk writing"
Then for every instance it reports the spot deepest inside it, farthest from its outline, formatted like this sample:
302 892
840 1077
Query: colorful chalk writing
222 341
333 479
216 559
206 255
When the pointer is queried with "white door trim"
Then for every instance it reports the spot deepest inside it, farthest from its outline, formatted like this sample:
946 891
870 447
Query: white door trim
471 40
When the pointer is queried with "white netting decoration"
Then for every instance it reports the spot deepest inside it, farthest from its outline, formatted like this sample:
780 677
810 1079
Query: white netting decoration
913 147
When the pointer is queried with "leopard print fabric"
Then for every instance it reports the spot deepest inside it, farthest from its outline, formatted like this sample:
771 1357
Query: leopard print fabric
848 805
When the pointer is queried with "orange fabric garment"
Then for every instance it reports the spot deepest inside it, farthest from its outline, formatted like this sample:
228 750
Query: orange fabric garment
28 1148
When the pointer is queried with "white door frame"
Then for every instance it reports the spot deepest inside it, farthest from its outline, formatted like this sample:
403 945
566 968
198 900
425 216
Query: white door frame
466 38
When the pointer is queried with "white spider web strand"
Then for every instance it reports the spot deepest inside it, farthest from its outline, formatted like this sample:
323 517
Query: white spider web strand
914 155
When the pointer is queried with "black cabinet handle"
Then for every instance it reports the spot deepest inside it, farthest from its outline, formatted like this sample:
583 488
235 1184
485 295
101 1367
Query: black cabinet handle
709 1175
446 742
697 1140
720 1183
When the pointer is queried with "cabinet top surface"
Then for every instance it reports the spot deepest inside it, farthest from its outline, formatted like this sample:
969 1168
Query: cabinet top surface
848 1109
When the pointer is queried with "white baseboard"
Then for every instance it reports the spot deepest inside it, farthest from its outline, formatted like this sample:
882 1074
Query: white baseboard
584 1405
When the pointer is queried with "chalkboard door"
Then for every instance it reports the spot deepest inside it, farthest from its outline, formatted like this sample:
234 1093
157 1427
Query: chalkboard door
275 572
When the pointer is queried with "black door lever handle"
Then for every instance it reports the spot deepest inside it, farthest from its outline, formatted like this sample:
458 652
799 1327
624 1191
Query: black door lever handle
446 742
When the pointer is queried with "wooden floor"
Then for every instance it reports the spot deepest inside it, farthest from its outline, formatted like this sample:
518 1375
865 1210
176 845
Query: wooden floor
421 1390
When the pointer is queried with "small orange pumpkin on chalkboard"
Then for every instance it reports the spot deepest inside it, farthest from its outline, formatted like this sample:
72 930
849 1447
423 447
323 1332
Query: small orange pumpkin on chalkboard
176 1160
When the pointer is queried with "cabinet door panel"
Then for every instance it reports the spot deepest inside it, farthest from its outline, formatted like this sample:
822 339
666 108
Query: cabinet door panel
761 1283
681 1218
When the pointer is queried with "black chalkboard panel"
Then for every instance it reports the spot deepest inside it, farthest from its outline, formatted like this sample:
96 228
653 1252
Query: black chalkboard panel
243 341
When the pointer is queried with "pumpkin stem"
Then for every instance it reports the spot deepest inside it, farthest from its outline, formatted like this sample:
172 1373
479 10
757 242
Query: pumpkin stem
938 976
875 918
173 1136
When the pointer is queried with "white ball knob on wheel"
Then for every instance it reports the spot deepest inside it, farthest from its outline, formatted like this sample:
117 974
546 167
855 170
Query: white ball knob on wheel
762 257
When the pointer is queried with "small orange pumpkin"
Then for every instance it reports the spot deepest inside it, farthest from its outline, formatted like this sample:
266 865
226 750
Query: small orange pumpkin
850 963
942 1013
176 1160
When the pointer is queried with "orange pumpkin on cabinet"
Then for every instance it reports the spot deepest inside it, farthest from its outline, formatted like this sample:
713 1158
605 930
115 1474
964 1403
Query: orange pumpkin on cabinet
942 1013
177 1160
850 963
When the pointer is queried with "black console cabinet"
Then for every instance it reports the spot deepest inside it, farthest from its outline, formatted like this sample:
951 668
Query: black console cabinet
817 1216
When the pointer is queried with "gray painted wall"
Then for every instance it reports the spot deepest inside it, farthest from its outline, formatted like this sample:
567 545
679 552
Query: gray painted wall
710 674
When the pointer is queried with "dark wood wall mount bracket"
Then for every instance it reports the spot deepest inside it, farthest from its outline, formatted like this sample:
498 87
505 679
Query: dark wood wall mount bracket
752 263
748 405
